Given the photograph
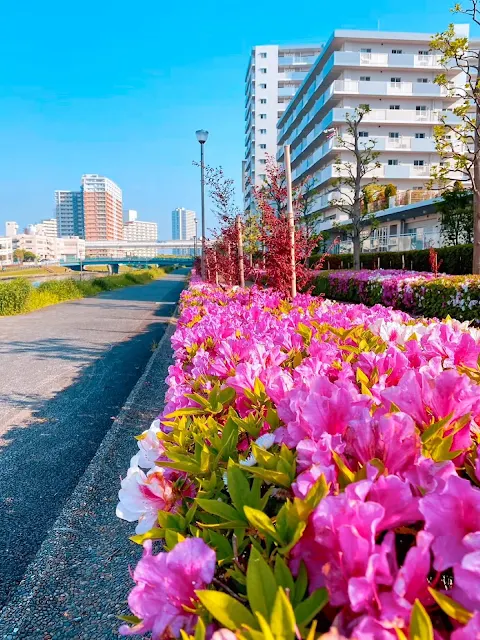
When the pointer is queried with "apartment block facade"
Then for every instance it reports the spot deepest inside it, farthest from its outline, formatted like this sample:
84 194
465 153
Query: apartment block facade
48 227
69 213
183 224
102 208
273 76
50 248
11 228
135 231
393 73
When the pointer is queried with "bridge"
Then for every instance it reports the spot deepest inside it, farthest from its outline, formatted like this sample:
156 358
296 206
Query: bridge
113 264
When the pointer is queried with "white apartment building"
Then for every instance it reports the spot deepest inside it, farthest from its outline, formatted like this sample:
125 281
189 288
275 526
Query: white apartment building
50 248
183 224
394 74
273 76
135 231
11 229
129 215
44 228
6 251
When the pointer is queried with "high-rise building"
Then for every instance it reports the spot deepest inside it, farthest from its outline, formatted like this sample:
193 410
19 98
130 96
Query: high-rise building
102 208
129 215
47 227
393 73
274 74
69 213
183 224
137 231
11 229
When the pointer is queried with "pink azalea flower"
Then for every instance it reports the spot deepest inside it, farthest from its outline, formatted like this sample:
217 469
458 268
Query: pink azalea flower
450 516
165 584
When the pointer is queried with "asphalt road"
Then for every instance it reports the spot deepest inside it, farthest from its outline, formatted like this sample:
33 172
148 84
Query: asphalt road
65 372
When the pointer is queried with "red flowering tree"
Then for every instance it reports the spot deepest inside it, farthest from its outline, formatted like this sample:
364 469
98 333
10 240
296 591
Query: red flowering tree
271 202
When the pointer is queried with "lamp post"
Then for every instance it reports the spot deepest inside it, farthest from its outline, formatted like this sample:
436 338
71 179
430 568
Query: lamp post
196 237
202 137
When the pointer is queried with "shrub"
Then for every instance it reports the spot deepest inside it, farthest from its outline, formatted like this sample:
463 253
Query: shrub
457 260
315 469
13 296
416 292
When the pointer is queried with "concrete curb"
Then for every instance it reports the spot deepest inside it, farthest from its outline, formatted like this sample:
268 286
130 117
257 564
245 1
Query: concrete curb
78 582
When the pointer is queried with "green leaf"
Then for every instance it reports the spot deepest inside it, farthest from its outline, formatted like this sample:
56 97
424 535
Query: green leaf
153 534
220 509
283 575
172 538
282 621
274 477
450 607
226 395
131 619
308 609
188 411
420 624
238 486
200 631
221 545
261 585
261 522
264 627
228 611
301 584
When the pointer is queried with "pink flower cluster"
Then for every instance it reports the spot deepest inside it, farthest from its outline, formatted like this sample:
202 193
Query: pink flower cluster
387 408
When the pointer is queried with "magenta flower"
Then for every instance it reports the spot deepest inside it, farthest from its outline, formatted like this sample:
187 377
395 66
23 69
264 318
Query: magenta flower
165 584
450 516
471 631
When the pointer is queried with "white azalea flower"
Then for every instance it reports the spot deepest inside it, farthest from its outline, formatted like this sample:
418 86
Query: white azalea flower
150 447
265 441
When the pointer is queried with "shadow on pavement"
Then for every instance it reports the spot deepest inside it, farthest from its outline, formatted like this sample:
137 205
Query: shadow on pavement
42 461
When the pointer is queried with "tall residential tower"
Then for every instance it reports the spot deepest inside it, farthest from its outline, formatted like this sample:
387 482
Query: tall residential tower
183 224
102 208
273 76
69 213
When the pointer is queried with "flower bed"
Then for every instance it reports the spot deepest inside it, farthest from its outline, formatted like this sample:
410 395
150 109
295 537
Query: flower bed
417 292
314 472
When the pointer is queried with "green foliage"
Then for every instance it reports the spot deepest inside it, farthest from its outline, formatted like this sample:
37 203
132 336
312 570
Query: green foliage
456 260
20 296
456 211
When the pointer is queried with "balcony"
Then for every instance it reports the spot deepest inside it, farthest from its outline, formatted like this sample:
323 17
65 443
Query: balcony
287 92
292 75
287 61
385 88
387 60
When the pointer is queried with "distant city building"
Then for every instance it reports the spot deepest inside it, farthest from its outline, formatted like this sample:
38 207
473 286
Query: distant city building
6 251
44 228
135 231
102 208
50 248
11 229
273 76
130 215
69 213
183 224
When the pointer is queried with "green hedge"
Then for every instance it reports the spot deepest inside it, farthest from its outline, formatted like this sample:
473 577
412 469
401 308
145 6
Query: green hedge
20 296
456 260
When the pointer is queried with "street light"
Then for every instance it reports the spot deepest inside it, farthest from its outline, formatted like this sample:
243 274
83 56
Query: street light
202 137
196 237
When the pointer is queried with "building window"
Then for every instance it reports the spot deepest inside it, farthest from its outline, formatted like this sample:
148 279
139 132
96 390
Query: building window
395 107
419 163
393 229
419 136
364 78
263 86
363 134
365 51
392 162
263 70
263 131
423 52
263 55
394 135
422 80
395 80
262 161
420 108
263 101
263 116
396 51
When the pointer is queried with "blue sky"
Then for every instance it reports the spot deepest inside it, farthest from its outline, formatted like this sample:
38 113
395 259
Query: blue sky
119 88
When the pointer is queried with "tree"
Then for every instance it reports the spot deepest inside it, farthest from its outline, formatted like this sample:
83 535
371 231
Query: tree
351 179
18 255
456 215
458 143
29 256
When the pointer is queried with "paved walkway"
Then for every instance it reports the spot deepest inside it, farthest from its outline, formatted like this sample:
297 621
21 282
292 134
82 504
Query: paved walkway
66 371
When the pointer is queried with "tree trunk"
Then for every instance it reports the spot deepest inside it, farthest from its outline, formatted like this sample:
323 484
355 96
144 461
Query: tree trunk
356 252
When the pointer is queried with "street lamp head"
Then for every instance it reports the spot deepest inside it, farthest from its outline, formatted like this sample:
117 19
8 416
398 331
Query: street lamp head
202 136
